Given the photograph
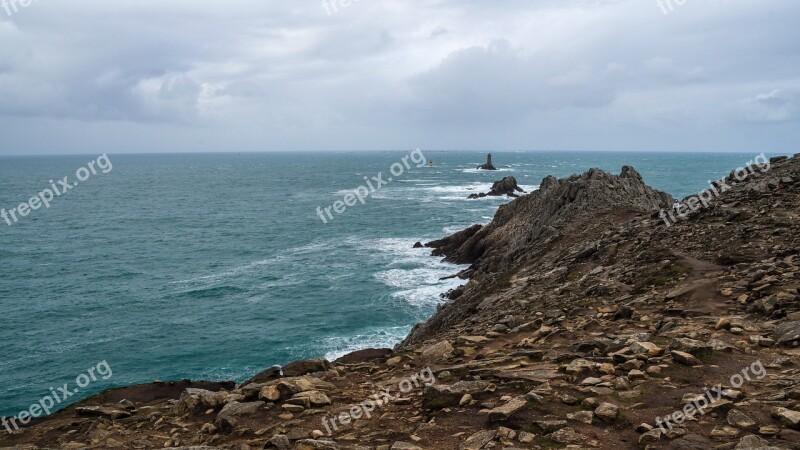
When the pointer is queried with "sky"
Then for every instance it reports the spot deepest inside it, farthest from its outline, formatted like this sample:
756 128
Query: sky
125 76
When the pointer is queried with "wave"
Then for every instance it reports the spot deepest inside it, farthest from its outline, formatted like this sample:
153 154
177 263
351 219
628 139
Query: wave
338 346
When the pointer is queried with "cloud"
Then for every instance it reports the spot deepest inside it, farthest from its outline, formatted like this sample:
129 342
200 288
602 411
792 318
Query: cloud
779 105
143 75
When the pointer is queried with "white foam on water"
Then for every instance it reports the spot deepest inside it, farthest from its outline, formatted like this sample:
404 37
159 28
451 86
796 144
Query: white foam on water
338 346
417 280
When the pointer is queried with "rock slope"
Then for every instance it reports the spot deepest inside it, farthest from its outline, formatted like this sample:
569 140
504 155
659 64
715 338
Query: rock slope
584 322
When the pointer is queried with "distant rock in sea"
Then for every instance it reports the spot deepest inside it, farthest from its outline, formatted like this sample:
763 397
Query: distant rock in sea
507 186
488 165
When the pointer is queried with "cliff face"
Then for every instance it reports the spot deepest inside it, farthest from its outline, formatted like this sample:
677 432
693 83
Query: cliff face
534 229
586 321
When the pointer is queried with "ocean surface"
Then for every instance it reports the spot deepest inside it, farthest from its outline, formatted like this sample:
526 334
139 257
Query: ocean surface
216 266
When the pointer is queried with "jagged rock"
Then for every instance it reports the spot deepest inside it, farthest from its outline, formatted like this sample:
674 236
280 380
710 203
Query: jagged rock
229 417
438 351
478 440
739 419
787 417
193 399
685 358
266 375
109 412
280 442
788 334
507 410
507 186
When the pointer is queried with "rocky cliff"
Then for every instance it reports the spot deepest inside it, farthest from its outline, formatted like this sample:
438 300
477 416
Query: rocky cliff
585 321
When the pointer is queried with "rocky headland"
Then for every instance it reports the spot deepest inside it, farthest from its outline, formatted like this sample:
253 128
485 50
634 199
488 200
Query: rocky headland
506 187
584 322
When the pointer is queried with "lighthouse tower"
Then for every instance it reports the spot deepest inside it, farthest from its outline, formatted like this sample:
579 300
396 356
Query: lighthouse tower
488 165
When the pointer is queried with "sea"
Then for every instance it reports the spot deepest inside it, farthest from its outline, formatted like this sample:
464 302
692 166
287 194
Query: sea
217 266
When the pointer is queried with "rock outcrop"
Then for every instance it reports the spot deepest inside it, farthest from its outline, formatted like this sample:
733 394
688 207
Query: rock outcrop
507 186
583 322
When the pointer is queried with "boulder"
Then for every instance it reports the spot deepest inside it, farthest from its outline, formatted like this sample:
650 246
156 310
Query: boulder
438 351
300 368
228 418
788 334
787 417
504 412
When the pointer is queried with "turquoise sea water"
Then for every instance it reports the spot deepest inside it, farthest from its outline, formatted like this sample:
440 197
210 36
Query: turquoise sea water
216 266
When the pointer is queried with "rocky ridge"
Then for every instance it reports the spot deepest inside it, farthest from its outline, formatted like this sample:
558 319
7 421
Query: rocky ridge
583 320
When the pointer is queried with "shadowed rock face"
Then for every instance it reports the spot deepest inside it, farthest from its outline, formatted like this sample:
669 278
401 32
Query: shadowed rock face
552 209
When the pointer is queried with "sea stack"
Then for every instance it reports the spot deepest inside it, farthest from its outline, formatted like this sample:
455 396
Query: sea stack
488 165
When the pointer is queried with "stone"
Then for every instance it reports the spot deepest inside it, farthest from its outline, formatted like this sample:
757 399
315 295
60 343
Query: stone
300 368
367 355
441 396
438 351
650 437
691 346
478 440
228 418
646 348
405 446
788 334
312 444
586 417
787 417
507 186
685 358
739 419
193 399
507 410
607 411
753 442
313 398
568 436
108 412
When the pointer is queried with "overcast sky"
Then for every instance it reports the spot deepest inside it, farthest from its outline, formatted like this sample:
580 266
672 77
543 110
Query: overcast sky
92 76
